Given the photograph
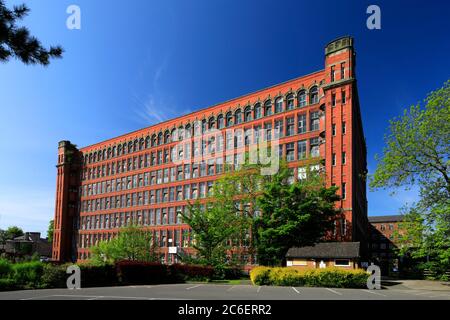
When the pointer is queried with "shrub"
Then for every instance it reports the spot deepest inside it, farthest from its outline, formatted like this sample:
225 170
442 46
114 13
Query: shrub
54 276
186 272
8 285
98 275
260 276
28 274
329 277
5 268
133 272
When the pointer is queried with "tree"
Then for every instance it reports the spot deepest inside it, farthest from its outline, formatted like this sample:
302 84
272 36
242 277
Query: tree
417 154
293 215
13 232
17 42
51 227
227 215
132 243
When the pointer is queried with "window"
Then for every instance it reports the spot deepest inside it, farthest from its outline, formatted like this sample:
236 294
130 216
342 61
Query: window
333 99
344 127
247 114
344 190
301 173
268 131
258 111
344 157
290 126
279 105
238 116
301 123
278 128
229 119
211 123
220 121
314 95
332 73
290 102
301 149
268 108
314 121
302 98
290 152
342 70
333 159
333 130
391 227
343 97
314 147
342 262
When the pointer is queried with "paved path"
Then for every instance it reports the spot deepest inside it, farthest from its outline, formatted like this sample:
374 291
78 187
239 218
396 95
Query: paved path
224 292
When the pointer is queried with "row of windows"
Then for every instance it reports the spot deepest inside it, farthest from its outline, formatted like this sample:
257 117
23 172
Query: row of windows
290 151
239 116
233 139
161 238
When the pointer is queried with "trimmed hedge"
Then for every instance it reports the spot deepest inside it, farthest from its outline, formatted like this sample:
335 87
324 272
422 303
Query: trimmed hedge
185 272
328 277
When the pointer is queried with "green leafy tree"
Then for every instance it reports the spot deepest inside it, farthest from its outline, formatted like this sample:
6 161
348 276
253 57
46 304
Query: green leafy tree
16 41
227 215
13 232
417 154
132 243
51 228
293 215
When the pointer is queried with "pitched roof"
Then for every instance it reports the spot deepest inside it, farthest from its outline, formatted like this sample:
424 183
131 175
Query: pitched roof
392 218
326 250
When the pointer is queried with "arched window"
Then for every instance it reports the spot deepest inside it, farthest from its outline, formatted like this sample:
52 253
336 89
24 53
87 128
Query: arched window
154 140
114 151
187 131
220 121
135 145
141 144
147 142
238 116
174 135
302 98
124 148
197 128
229 119
119 150
160 139
167 137
279 105
180 134
130 147
94 158
290 102
211 123
314 95
204 125
257 111
109 153
247 114
268 108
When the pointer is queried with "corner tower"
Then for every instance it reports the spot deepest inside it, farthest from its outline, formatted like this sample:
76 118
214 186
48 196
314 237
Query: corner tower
345 152
67 182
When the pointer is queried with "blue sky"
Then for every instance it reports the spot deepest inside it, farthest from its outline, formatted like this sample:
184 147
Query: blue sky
136 63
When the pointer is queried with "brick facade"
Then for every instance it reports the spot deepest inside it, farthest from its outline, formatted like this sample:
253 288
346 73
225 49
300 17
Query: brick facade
135 178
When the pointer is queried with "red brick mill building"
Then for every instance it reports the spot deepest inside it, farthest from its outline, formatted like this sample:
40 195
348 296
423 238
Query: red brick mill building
134 178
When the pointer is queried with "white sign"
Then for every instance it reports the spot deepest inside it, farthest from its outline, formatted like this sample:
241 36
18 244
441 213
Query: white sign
173 250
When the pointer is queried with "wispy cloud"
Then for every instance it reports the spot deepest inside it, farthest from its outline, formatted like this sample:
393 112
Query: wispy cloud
156 105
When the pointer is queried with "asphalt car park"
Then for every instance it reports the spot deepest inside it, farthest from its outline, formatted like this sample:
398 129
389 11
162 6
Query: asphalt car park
202 291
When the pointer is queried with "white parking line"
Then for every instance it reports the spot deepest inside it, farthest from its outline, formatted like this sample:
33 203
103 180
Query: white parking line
422 293
231 288
295 290
259 289
334 291
441 295
199 285
373 292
